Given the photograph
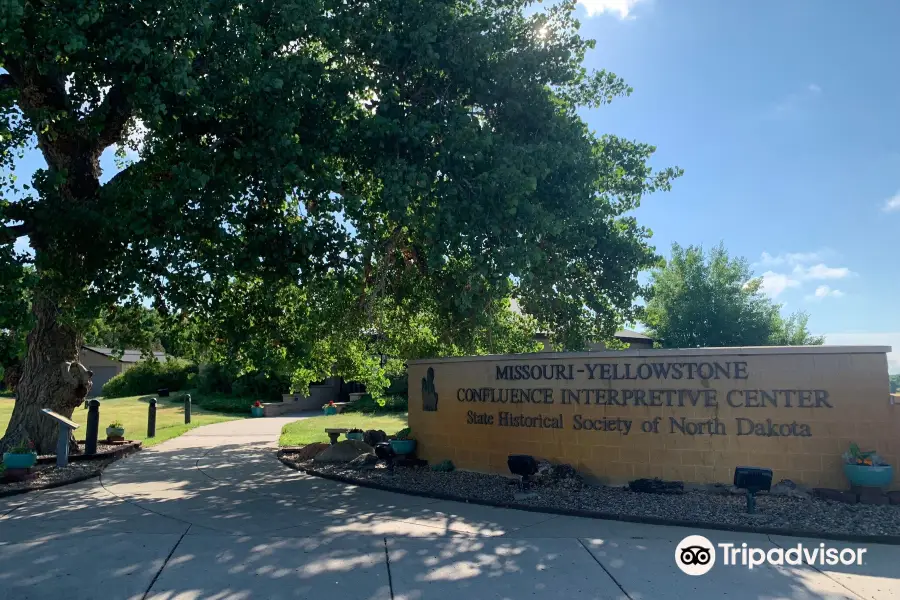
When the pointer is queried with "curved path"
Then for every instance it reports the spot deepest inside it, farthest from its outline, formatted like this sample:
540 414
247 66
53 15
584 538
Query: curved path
212 514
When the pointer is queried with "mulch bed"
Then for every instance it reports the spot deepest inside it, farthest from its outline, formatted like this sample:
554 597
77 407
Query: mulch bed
775 514
47 475
104 451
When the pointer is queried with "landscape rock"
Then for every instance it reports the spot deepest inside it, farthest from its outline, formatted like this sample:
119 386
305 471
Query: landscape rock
656 486
374 436
786 487
344 452
363 462
835 495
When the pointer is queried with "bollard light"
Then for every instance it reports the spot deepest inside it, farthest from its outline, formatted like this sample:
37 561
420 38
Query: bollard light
522 465
187 409
385 452
93 427
151 418
752 479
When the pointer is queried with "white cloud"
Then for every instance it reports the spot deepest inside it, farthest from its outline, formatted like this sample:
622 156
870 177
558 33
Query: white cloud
804 266
621 7
814 88
774 284
892 203
824 291
792 258
870 339
821 271
795 104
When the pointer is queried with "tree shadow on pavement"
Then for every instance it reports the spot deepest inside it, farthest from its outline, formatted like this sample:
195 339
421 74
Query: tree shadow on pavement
233 522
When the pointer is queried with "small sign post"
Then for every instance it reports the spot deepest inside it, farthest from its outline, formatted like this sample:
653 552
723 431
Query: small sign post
66 427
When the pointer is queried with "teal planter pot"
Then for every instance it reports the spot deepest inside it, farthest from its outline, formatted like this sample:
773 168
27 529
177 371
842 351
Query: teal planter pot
403 447
115 432
257 411
19 461
330 410
866 476
355 436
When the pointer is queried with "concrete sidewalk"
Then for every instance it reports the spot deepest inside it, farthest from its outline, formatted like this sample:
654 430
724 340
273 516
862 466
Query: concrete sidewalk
213 514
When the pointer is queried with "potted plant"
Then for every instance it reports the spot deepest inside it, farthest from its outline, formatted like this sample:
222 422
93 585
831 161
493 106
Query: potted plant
22 456
866 469
402 442
356 434
257 410
330 408
115 430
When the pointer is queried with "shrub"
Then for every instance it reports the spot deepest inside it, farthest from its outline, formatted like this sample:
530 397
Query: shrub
220 403
148 376
261 385
367 404
214 379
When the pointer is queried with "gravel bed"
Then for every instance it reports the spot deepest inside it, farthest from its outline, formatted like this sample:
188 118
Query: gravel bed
772 511
102 448
47 476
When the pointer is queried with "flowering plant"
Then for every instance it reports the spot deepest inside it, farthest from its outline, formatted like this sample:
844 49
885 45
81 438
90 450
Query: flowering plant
854 456
26 446
257 404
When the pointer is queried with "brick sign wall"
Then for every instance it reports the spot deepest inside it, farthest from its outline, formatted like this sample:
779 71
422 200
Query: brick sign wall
690 415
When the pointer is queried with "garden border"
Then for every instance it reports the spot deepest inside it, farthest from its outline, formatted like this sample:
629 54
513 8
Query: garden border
571 512
115 455
121 450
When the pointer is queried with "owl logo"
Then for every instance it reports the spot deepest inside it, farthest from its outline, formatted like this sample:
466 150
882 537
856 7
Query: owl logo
429 393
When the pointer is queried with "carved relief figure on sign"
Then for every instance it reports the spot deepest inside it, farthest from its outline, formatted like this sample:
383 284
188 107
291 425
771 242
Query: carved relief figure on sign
429 393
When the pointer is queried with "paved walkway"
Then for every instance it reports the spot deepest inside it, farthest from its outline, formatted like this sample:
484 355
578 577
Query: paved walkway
214 515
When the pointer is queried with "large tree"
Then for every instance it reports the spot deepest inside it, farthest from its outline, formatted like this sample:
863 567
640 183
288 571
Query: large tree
710 299
380 146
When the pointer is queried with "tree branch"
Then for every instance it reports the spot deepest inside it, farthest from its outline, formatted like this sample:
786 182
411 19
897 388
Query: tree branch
10 233
115 110
7 82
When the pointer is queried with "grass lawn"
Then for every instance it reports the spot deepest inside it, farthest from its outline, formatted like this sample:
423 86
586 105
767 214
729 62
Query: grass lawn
307 431
132 412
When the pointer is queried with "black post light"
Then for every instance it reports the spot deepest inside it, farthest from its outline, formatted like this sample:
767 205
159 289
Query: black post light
384 452
752 479
522 465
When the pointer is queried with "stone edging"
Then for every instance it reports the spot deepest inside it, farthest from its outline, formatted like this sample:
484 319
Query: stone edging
570 512
116 455
120 451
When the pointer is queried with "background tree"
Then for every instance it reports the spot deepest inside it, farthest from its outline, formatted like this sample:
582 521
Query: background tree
895 384
384 147
711 299
793 331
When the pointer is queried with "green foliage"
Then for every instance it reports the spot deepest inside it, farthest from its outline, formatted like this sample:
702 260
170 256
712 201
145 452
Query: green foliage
793 331
25 446
445 466
218 402
709 299
445 135
115 425
149 375
130 325
385 404
261 386
403 434
895 383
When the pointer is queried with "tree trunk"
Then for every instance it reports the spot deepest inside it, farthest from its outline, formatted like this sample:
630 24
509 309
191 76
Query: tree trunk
52 378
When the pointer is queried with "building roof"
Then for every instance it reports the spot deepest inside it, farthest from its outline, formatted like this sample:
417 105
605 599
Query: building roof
627 334
128 355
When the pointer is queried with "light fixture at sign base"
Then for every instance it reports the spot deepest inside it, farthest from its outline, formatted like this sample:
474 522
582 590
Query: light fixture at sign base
752 479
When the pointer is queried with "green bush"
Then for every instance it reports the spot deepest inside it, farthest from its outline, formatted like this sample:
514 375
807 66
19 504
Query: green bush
367 404
148 376
217 402
261 386
215 379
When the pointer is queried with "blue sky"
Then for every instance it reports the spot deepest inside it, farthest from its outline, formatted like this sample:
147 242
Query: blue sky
784 116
